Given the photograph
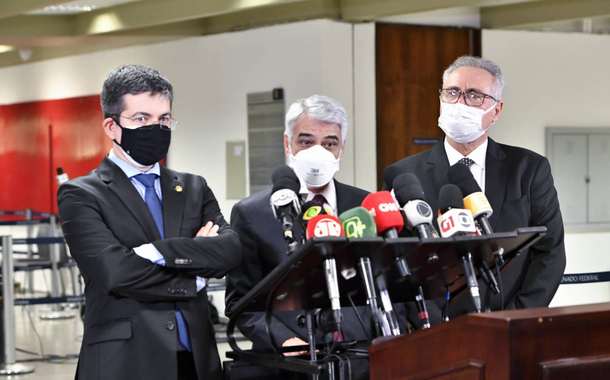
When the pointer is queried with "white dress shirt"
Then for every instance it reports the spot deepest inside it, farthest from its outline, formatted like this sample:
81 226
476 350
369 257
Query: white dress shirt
478 156
329 192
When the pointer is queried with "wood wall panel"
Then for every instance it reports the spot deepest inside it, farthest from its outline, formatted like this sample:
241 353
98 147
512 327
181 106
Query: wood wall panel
410 61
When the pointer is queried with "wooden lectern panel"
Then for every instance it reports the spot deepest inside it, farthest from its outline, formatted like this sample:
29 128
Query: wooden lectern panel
596 367
466 371
554 344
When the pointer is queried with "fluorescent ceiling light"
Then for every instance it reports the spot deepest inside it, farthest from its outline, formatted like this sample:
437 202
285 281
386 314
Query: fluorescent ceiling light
69 8
6 48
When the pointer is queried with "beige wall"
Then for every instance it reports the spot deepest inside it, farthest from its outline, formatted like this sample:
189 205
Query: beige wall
556 80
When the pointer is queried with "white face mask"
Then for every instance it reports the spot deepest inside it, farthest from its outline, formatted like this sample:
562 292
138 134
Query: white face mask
315 166
461 123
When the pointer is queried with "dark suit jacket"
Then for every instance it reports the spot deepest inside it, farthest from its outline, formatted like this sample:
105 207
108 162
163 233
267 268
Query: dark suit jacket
130 331
519 186
264 248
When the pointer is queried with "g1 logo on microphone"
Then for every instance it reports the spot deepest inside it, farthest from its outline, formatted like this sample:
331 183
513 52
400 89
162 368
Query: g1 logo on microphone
447 224
462 218
327 227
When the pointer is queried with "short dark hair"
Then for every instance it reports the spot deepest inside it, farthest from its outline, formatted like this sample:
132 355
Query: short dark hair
132 79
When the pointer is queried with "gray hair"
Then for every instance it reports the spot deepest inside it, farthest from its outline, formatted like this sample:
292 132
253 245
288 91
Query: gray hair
481 63
318 107
132 79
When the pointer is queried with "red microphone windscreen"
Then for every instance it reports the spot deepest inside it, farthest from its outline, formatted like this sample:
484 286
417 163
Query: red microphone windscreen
324 226
384 210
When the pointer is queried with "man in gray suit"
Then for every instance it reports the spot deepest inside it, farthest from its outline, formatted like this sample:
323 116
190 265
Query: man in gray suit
316 128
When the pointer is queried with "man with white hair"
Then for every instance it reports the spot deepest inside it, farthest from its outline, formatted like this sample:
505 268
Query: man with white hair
316 128
516 181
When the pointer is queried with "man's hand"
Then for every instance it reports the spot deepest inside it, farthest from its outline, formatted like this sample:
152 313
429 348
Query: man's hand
209 230
294 341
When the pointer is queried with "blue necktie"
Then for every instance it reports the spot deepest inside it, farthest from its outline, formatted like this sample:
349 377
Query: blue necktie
154 205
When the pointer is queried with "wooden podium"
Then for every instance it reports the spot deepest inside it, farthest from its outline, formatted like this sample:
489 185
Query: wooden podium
554 344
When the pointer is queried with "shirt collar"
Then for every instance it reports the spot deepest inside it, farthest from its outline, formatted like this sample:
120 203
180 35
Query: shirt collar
478 155
129 170
329 192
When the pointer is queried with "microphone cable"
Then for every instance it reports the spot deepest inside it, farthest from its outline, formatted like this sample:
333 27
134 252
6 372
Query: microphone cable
368 337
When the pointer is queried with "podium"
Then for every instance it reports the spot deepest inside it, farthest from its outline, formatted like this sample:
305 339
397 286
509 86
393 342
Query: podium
298 283
542 344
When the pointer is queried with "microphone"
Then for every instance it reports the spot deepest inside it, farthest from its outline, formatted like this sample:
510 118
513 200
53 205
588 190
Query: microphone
409 192
475 201
285 201
358 223
328 226
390 173
388 219
61 177
455 220
410 195
478 204
310 209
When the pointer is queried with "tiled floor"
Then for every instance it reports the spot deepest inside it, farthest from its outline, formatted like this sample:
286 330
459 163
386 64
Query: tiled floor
59 337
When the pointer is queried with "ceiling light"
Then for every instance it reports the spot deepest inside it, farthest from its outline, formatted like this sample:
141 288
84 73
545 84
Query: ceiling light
69 8
5 48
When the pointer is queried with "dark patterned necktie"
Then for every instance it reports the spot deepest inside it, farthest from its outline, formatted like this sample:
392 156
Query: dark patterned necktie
466 161
154 205
319 198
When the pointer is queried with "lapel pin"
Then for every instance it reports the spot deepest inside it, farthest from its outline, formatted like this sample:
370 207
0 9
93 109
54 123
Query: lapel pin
179 189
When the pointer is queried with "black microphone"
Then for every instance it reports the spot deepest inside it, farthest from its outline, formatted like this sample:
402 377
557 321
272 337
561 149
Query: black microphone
61 177
309 210
410 196
285 201
477 203
455 220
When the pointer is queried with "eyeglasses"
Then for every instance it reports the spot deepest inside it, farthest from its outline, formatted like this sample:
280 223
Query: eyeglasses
147 122
471 98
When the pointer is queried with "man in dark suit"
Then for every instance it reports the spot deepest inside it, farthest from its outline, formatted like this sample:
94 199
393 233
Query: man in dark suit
145 238
315 134
516 181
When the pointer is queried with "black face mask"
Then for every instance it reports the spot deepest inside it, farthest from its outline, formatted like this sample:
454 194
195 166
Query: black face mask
147 145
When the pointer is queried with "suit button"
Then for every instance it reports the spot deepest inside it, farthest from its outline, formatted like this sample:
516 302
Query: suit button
170 326
171 291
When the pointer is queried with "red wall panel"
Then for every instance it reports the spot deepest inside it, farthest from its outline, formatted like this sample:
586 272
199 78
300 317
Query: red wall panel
37 137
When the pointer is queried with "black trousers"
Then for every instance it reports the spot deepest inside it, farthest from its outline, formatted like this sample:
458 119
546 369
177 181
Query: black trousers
186 366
